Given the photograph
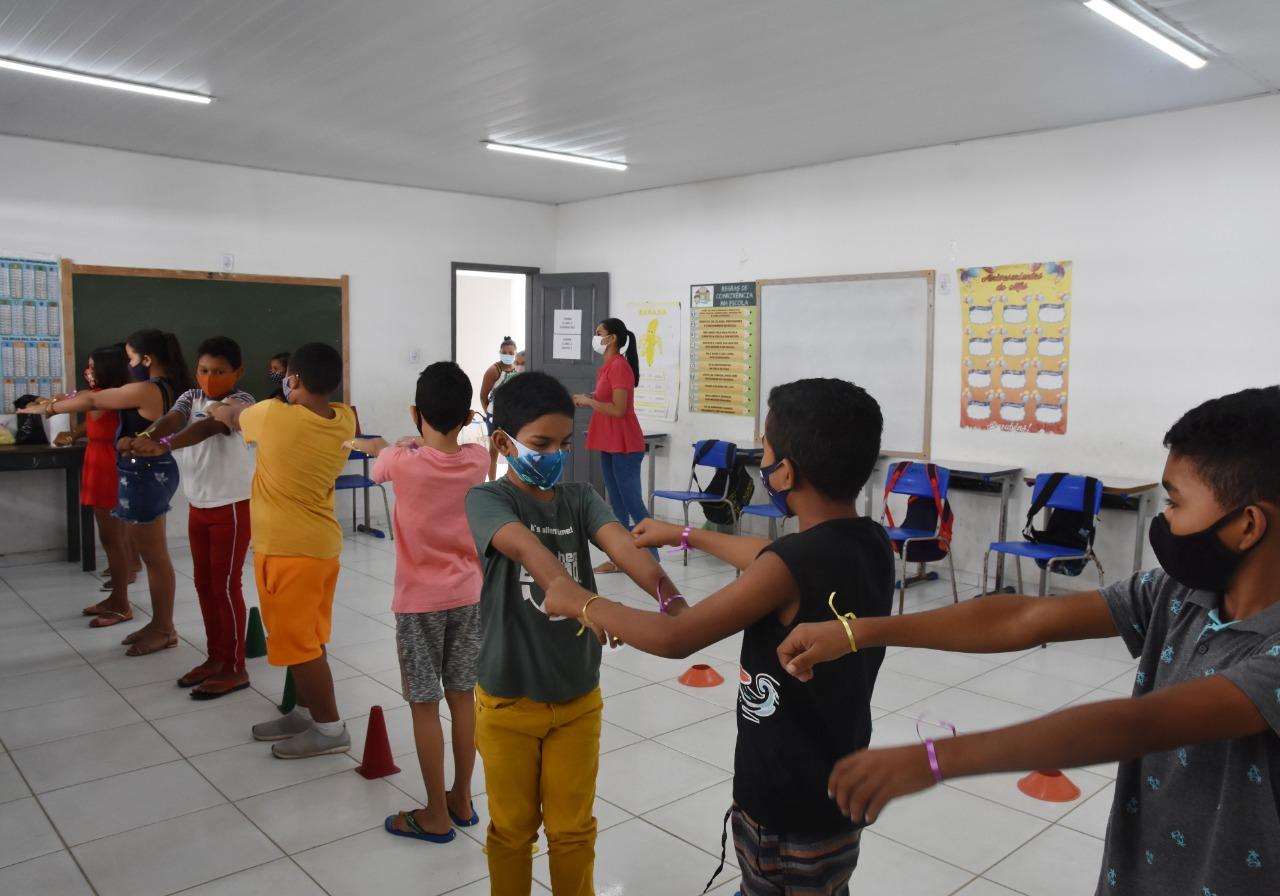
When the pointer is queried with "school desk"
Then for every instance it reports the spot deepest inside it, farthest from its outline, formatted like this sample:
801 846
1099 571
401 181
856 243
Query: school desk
652 442
18 458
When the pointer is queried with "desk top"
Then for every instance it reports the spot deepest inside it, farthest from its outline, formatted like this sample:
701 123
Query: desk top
36 457
969 469
1116 485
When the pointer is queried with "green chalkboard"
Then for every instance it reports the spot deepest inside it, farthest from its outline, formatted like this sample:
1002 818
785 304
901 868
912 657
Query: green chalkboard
265 316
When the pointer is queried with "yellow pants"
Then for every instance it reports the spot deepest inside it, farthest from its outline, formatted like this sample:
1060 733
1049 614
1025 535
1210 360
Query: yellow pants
540 764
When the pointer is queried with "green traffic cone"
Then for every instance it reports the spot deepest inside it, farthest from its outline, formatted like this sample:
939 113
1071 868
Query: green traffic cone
290 698
255 640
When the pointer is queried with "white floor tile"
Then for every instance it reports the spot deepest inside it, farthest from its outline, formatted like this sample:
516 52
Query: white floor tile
410 782
279 878
164 698
54 874
39 651
399 724
1092 816
656 710
1026 688
723 695
1059 862
712 740
636 857
957 828
650 667
647 775
46 687
173 855
940 666
968 711
614 738
984 887
885 866
371 656
25 832
1003 789
894 690
250 769
1061 662
164 665
375 860
698 819
317 812
12 787
615 681
74 760
222 724
31 725
356 696
108 806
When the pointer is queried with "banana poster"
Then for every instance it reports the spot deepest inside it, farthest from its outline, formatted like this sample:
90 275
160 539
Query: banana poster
1016 335
657 329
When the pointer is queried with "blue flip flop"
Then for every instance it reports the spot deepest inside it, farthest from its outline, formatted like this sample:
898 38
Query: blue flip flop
415 831
464 823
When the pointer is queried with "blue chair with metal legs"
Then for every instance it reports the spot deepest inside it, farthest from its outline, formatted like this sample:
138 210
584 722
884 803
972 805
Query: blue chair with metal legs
769 512
712 454
927 526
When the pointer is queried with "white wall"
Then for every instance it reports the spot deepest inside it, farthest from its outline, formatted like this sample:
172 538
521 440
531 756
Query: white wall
489 308
1171 221
99 206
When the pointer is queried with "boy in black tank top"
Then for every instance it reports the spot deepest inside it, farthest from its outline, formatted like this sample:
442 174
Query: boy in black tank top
822 438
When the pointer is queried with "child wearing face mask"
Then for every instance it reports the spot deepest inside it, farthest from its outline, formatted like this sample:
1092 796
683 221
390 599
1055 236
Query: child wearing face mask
275 372
538 695
217 471
437 592
1197 800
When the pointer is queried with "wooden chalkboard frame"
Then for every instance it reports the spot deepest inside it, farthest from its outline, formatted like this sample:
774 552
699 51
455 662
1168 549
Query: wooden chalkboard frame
929 277
70 269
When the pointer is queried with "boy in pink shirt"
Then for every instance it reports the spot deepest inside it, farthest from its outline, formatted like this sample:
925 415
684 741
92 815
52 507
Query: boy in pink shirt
437 592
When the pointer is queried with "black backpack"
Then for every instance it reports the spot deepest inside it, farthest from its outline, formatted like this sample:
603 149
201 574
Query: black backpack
922 513
30 426
734 483
1073 529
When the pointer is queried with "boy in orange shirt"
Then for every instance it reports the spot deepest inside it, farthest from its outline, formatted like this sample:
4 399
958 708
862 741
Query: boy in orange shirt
297 539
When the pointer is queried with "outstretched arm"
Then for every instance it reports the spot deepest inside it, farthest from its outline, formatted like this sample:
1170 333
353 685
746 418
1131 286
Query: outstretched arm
639 565
1194 712
993 624
739 551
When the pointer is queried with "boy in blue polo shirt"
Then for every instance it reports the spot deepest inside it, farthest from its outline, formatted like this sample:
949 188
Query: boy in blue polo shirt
1197 804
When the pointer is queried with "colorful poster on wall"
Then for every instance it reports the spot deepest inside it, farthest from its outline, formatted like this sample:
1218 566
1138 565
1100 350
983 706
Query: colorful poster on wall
724 338
657 329
1015 347
30 330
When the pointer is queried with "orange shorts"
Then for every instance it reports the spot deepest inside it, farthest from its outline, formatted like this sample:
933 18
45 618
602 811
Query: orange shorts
296 597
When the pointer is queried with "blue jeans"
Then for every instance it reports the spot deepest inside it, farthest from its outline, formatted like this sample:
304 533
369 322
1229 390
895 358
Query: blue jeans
622 484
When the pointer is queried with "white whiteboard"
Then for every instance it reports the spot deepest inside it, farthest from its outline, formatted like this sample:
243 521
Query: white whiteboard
875 330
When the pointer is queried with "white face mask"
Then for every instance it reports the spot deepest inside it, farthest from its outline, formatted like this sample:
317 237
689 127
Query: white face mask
597 343
507 359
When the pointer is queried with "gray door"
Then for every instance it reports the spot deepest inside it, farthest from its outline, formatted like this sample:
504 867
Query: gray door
589 294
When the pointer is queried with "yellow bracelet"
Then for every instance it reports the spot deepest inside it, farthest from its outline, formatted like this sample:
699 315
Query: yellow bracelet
844 620
583 615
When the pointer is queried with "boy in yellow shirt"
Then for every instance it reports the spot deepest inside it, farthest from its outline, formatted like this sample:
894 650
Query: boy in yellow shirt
297 540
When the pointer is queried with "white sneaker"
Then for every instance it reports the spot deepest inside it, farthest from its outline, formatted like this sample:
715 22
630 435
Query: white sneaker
283 728
312 743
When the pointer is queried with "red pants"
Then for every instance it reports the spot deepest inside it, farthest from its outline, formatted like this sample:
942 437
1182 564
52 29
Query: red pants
219 542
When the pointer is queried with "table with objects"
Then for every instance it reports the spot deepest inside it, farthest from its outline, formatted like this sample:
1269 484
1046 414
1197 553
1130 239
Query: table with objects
80 530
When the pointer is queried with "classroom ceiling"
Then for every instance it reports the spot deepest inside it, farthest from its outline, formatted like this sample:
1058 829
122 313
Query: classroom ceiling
403 91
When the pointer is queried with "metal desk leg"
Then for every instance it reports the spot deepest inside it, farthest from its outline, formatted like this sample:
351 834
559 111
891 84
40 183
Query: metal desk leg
367 528
1006 490
73 513
649 455
1144 514
364 466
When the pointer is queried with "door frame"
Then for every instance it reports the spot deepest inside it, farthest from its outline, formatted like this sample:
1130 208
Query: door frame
457 266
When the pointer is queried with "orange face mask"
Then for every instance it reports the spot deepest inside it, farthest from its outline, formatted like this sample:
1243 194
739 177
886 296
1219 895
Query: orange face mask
217 385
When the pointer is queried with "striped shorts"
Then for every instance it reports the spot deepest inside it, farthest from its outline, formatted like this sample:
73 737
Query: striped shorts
444 645
775 864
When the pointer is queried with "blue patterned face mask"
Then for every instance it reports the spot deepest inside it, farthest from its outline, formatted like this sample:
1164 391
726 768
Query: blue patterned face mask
779 498
542 471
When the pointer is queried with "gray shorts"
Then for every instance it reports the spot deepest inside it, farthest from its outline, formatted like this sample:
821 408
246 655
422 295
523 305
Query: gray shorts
435 646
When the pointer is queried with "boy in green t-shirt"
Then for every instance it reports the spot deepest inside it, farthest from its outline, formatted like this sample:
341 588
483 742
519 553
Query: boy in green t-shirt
538 699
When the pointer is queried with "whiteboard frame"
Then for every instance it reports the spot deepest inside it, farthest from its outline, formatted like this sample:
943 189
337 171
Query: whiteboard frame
929 277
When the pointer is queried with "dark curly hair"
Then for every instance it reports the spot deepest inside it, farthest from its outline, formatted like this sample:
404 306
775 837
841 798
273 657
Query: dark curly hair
830 431
1232 442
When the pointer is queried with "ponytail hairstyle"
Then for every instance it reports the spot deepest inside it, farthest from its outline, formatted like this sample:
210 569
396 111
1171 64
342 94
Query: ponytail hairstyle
110 366
619 331
163 347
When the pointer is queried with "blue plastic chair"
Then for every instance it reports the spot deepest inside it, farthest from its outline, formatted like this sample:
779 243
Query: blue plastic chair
914 482
769 512
1069 495
354 482
712 454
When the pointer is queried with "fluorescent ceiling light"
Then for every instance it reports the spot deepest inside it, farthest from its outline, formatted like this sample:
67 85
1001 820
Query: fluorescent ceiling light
1143 31
78 78
558 156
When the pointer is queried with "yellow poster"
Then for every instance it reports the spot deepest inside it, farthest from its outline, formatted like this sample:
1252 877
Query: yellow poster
1015 331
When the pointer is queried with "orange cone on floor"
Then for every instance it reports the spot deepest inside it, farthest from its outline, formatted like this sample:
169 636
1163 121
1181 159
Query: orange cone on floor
1049 785
377 762
700 675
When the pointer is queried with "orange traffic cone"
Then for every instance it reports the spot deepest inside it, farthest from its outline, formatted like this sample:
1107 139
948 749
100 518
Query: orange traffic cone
700 675
1049 785
377 762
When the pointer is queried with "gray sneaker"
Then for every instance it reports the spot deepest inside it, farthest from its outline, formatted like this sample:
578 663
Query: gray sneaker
312 743
282 728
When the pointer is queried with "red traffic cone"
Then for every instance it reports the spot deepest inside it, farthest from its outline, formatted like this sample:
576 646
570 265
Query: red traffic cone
377 762
700 675
1049 785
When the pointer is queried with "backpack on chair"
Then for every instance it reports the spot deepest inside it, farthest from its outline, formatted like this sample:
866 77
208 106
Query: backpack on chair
733 482
1065 528
923 513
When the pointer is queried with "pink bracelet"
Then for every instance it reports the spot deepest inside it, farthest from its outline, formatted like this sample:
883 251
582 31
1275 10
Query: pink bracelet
933 761
665 602
683 546
167 442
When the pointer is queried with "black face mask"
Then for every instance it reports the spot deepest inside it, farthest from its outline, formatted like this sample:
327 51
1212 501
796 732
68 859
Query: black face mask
1199 560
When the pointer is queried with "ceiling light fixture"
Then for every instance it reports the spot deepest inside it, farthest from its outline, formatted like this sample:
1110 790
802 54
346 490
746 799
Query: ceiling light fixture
557 156
1143 31
114 84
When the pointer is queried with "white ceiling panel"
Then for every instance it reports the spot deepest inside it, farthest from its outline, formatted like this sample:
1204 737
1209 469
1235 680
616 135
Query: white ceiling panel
403 91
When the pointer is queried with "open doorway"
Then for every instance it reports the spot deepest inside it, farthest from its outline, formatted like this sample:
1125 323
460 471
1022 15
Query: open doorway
490 305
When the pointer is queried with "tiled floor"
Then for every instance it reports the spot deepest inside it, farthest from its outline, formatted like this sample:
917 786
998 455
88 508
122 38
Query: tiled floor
112 781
